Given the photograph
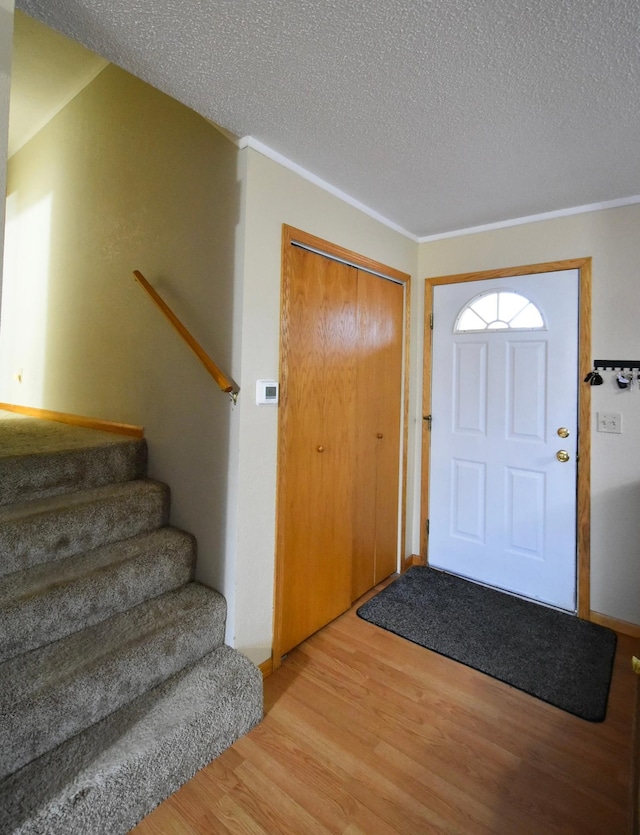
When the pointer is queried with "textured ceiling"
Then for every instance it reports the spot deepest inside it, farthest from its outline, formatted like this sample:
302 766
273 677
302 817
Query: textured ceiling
437 115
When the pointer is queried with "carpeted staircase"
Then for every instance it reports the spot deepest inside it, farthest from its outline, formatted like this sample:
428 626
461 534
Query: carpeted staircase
115 682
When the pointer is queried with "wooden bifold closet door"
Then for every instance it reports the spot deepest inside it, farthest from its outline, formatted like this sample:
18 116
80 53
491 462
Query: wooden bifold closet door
378 406
339 439
317 442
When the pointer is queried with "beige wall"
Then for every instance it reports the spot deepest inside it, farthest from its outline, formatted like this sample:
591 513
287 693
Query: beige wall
124 178
612 239
6 39
275 195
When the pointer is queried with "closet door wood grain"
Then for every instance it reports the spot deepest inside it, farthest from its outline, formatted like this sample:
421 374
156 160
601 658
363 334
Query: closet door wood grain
378 417
317 444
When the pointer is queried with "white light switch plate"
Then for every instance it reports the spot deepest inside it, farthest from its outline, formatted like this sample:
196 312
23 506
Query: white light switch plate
610 422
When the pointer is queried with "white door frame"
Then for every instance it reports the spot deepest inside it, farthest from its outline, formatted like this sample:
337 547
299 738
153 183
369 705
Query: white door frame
583 507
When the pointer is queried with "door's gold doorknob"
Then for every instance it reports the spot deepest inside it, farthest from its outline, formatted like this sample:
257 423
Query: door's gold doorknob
320 448
563 432
562 455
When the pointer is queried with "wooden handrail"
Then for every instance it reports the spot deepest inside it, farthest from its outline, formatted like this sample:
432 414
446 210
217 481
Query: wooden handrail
226 384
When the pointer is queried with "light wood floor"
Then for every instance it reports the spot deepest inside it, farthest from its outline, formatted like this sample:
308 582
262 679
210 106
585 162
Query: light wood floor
365 732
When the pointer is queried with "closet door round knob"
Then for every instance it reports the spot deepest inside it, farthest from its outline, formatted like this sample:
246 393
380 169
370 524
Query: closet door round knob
320 448
380 435
562 455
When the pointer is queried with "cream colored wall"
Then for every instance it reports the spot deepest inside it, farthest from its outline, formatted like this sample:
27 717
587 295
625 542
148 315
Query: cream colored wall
116 190
612 239
275 195
6 40
125 178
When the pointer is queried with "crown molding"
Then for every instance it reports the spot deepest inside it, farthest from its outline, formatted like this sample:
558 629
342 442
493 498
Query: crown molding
265 150
518 221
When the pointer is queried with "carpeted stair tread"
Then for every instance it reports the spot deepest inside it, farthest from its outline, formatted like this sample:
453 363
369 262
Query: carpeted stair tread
43 458
22 435
107 778
61 526
55 691
116 686
51 600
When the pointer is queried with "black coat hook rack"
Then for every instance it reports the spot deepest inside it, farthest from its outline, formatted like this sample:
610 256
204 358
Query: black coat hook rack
613 365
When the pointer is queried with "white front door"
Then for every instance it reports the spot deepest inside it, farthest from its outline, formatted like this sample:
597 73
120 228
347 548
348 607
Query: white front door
502 506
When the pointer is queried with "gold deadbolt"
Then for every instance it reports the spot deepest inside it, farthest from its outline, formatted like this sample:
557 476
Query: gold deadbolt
562 455
563 432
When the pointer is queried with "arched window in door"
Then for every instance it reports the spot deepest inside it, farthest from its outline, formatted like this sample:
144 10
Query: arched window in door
501 310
